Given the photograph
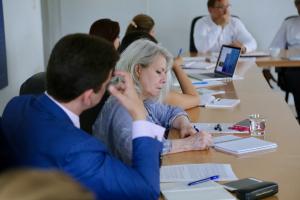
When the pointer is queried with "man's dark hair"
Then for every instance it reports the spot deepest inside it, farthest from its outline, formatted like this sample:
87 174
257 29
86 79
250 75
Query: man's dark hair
133 36
211 3
297 2
77 63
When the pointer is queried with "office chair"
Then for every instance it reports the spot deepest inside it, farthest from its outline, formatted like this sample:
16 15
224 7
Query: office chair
192 42
5 156
36 84
281 80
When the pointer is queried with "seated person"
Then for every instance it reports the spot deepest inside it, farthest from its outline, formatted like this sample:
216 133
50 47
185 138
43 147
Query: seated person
107 29
110 31
149 65
219 28
44 132
288 36
189 97
141 22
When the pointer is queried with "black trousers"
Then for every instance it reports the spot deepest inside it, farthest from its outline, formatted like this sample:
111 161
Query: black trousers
292 77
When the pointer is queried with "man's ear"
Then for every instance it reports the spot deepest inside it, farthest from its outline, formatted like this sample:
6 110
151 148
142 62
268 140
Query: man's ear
87 97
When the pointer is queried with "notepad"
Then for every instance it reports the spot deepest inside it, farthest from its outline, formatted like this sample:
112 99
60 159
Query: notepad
210 92
245 145
209 190
223 103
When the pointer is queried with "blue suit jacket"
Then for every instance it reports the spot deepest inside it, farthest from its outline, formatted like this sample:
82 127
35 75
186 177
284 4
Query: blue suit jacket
40 134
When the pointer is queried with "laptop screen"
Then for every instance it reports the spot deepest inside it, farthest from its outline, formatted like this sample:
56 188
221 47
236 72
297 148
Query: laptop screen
227 60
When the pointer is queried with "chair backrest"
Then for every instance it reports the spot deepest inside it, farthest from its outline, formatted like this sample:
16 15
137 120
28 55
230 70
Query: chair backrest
192 42
6 159
290 17
36 84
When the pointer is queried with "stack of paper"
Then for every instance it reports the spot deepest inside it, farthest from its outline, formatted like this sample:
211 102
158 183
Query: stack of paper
174 181
205 191
244 145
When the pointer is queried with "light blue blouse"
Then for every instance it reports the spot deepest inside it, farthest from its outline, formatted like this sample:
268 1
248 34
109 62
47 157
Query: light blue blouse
114 124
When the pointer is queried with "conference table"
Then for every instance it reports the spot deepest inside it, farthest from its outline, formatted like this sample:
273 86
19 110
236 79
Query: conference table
282 60
282 165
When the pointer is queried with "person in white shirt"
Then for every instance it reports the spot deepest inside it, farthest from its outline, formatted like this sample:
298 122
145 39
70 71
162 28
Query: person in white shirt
219 28
288 37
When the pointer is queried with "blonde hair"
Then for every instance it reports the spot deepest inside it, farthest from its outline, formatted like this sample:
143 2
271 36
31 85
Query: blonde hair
34 184
143 52
140 22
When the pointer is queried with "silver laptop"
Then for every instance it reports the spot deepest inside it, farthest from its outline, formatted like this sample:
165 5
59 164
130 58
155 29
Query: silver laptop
225 66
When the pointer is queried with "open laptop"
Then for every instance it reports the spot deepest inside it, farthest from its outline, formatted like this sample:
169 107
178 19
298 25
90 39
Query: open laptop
225 66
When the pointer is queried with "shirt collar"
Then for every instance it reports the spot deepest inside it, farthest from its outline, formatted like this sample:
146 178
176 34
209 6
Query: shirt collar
74 118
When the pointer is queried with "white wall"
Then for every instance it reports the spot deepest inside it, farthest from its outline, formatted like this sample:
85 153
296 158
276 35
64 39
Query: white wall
24 38
173 17
24 46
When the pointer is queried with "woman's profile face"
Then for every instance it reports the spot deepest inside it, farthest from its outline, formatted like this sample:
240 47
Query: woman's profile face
152 32
153 78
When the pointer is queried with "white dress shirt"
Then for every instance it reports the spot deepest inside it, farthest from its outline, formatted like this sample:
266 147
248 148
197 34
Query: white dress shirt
288 36
74 118
209 37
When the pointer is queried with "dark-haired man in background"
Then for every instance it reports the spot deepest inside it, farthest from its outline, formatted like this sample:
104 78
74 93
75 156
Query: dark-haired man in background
219 28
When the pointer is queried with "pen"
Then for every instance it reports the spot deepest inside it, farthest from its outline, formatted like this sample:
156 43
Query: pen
200 82
179 52
203 180
196 129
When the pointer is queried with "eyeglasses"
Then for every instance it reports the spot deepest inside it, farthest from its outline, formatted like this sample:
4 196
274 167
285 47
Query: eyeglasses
222 7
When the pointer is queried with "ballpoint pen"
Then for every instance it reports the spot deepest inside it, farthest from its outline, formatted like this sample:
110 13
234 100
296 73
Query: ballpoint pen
179 52
211 178
195 127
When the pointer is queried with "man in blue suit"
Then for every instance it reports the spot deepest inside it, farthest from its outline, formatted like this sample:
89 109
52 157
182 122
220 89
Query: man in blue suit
44 132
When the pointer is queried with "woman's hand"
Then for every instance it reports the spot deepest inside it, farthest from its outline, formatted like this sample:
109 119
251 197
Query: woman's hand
199 141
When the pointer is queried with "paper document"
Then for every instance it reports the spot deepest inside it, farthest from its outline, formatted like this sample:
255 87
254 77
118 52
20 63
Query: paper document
192 59
256 54
206 91
294 57
192 172
223 128
199 76
205 191
198 65
245 145
222 103
202 84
